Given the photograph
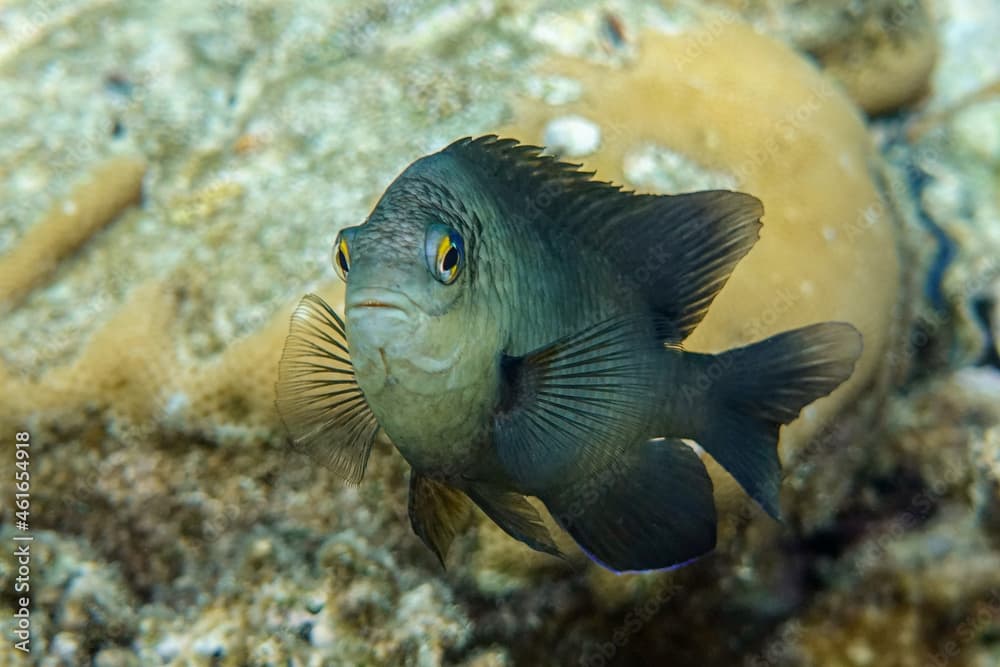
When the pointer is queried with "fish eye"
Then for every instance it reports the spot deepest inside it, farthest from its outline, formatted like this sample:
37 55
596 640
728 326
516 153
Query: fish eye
341 257
444 250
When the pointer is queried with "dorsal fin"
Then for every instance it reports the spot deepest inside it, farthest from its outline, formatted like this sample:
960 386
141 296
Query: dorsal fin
677 250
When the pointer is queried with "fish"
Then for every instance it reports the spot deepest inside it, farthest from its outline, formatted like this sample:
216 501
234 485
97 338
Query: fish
515 328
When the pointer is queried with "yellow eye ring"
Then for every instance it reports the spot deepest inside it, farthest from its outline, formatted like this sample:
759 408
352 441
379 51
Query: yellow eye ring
445 252
342 257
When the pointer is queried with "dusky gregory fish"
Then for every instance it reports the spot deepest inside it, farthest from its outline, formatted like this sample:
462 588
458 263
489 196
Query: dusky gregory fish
515 327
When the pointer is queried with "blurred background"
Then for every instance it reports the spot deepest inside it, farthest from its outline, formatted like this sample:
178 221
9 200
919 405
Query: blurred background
172 176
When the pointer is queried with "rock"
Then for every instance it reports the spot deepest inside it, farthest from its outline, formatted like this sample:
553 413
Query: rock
882 52
116 657
571 136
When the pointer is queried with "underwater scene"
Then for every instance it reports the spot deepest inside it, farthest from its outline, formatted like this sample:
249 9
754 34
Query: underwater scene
493 333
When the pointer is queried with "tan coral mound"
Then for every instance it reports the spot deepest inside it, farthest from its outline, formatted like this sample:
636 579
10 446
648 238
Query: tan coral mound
882 51
886 62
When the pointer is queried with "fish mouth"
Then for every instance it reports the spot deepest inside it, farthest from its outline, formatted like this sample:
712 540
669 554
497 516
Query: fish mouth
369 299
379 322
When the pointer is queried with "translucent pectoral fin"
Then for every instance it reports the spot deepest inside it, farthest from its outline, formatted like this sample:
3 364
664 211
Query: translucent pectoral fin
318 397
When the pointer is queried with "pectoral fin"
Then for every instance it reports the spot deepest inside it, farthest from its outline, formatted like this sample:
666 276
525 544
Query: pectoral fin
319 399
437 513
564 404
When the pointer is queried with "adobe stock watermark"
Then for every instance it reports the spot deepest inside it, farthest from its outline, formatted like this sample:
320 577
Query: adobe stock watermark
21 621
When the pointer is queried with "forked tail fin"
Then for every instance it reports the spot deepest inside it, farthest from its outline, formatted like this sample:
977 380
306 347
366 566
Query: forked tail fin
764 385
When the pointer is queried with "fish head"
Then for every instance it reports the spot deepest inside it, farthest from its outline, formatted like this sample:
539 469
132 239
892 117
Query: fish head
414 323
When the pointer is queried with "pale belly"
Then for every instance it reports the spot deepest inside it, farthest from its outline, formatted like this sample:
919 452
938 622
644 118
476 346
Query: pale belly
444 434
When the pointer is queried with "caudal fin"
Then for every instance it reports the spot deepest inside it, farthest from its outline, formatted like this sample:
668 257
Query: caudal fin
763 386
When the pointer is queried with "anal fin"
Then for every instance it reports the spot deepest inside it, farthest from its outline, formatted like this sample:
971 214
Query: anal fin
649 508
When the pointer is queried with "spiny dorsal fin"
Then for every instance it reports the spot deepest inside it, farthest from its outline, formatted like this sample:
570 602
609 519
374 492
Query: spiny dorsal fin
319 399
542 182
677 250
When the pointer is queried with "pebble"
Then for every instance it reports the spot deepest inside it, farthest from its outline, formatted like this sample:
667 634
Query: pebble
572 136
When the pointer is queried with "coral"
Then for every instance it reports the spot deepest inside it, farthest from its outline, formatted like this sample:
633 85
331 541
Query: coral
130 370
953 161
107 190
882 52
929 598
888 59
28 25
95 605
352 605
987 491
919 584
130 367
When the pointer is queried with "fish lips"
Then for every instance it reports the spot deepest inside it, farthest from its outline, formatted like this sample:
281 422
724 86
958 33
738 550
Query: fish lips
380 316
379 321
388 340
380 298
